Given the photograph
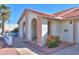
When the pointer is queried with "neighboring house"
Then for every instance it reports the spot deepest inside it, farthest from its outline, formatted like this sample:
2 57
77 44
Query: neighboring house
36 26
10 27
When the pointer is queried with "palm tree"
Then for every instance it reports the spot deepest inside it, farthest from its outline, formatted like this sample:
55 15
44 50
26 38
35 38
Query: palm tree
4 15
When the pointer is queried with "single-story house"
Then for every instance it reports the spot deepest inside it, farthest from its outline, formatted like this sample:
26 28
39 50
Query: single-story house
36 26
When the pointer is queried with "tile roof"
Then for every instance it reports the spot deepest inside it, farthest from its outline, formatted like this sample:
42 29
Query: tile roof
68 13
71 12
41 13
59 13
75 13
37 12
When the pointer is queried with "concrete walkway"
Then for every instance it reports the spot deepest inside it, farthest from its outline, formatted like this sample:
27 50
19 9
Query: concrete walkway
8 51
18 43
73 50
25 51
16 51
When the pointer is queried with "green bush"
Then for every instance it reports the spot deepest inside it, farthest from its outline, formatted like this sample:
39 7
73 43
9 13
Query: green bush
57 39
15 29
1 46
53 43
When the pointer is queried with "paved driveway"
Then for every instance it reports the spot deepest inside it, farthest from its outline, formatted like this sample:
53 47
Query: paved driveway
73 50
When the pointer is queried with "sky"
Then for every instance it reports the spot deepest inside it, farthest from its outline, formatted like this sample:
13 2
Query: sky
17 9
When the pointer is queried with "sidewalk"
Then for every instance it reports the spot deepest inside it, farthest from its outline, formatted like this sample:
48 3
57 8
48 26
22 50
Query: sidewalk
8 51
16 51
25 51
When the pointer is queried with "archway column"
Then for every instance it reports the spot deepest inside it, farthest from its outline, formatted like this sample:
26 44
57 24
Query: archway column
39 30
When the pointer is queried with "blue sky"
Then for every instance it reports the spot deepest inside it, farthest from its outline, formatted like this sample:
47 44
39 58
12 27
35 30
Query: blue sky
17 9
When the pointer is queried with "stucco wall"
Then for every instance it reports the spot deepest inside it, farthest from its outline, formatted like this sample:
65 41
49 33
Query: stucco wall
77 32
21 28
44 30
31 16
55 28
67 31
52 28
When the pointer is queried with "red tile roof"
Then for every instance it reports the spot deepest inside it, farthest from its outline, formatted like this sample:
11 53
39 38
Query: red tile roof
59 13
75 13
68 13
72 12
41 13
37 12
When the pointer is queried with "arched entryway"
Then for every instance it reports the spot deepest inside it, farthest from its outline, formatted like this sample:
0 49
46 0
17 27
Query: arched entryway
34 30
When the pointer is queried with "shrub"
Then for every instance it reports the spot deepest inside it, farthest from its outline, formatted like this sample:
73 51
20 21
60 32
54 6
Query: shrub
15 29
1 46
52 41
57 39
50 37
52 44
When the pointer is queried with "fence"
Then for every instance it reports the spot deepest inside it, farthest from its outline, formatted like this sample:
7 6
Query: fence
8 39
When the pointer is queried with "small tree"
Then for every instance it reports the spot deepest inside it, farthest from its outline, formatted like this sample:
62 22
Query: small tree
4 15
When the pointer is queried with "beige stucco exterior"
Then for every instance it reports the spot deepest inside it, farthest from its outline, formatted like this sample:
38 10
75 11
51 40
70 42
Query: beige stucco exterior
67 31
21 28
63 29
